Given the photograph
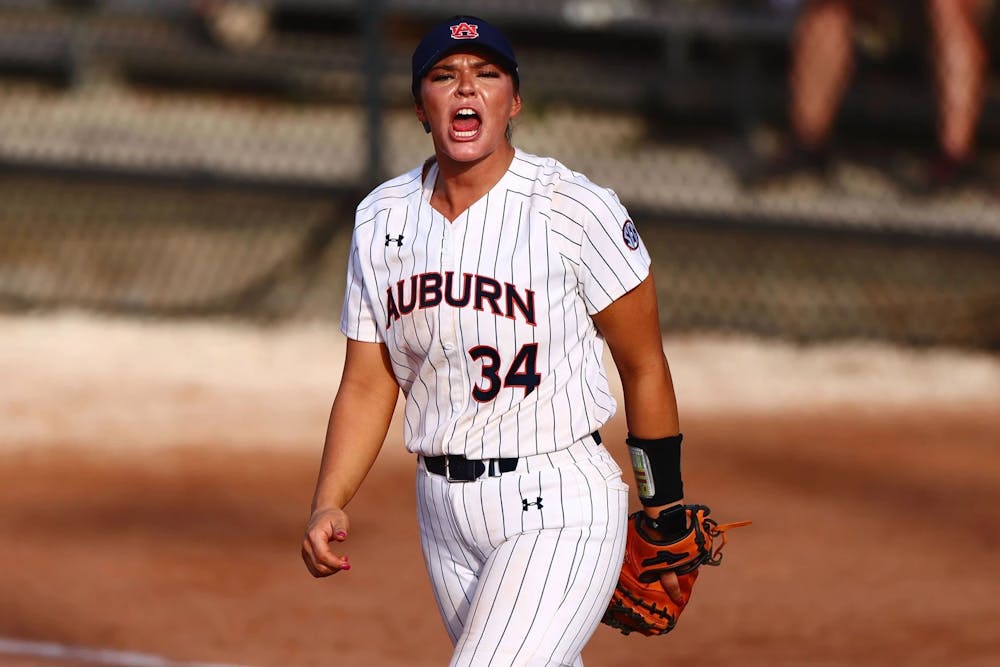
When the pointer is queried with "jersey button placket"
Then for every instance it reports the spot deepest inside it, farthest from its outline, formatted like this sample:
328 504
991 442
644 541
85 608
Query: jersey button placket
449 334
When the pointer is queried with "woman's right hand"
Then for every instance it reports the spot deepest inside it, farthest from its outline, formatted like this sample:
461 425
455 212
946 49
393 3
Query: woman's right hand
326 526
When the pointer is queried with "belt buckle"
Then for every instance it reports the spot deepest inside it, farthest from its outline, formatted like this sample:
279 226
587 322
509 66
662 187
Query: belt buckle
447 470
468 471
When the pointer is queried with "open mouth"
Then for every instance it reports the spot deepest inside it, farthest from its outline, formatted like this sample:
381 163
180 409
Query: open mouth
465 124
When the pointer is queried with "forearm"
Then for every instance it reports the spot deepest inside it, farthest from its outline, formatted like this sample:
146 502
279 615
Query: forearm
359 421
650 403
651 409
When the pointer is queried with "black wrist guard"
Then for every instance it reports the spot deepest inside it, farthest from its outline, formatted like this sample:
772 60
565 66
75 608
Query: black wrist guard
657 466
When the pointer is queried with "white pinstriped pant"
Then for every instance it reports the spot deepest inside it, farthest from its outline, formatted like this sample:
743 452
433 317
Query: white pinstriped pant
523 564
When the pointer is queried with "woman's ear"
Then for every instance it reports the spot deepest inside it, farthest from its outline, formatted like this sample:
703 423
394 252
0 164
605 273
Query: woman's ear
418 108
516 108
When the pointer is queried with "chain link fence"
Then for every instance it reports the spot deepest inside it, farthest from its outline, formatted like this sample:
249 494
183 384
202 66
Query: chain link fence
203 158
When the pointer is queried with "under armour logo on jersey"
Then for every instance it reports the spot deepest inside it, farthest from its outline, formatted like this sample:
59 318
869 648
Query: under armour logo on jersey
631 235
537 503
398 240
465 30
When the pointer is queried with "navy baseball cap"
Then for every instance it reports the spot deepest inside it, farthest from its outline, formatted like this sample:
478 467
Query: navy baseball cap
455 34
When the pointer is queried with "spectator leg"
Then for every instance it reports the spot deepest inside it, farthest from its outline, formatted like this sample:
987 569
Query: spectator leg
959 66
822 65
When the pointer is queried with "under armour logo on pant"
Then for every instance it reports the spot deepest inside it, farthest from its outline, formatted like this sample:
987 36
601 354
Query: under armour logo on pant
537 503
397 240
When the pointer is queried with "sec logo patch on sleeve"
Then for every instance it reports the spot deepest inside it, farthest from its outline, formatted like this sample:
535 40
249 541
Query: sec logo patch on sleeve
631 235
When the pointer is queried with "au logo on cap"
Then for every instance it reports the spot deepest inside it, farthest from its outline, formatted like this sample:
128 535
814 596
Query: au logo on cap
464 30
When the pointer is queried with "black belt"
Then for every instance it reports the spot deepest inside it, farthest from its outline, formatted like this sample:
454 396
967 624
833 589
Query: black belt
457 468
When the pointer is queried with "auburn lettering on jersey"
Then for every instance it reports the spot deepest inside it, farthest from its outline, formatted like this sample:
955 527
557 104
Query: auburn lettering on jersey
429 290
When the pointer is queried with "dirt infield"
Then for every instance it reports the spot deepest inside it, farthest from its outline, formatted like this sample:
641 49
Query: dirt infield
874 537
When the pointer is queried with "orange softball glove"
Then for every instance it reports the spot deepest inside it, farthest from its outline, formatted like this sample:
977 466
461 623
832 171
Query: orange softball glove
640 604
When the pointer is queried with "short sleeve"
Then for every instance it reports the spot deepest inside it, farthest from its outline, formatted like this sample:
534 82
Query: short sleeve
613 258
357 318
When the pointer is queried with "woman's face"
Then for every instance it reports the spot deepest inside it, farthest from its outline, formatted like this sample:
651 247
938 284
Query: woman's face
468 102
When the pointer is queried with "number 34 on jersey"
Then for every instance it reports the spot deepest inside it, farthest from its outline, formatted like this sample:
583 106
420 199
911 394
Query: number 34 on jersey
430 290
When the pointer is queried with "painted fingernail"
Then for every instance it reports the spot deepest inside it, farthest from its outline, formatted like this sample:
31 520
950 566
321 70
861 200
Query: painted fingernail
341 535
347 566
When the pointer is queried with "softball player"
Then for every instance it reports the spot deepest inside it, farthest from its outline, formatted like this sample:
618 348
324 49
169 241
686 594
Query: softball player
484 285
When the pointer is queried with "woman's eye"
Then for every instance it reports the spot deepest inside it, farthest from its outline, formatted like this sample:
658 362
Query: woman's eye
492 74
440 77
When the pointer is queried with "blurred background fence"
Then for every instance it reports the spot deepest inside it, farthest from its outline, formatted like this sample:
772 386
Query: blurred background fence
179 158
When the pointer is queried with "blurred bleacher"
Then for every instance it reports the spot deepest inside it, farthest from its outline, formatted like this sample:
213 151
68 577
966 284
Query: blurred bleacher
203 157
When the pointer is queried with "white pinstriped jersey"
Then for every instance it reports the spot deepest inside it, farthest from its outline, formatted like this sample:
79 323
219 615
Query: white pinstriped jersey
487 318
